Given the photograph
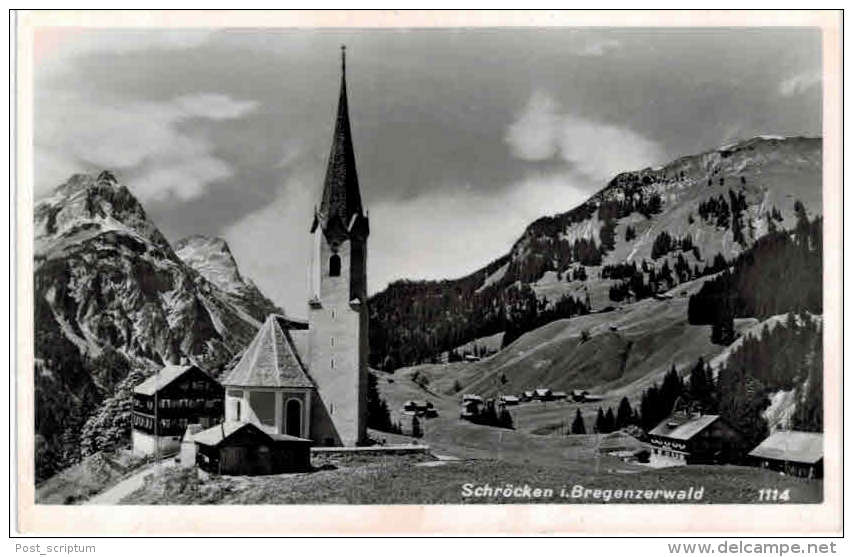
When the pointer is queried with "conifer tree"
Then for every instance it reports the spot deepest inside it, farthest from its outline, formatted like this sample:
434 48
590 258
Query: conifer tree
609 421
416 427
701 386
600 424
378 416
671 389
624 415
578 427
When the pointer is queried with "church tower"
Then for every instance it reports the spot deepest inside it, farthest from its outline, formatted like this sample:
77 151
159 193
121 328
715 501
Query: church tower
337 306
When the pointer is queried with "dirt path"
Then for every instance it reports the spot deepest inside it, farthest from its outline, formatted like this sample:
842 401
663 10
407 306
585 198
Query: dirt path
116 493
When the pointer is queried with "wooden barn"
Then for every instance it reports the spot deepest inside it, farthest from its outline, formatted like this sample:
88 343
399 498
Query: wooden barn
167 402
796 453
694 438
243 449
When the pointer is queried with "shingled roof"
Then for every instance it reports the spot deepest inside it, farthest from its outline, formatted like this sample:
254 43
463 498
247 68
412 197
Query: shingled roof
794 446
271 360
341 202
160 379
215 435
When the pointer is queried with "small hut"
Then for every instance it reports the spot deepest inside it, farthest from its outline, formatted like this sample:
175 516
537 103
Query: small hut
241 448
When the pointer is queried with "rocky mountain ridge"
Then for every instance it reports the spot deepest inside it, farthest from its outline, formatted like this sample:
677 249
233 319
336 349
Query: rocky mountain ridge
111 296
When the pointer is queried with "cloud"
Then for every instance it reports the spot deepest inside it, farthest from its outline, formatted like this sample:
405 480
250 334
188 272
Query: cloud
800 83
600 47
533 136
55 48
213 106
280 273
185 179
142 138
597 149
53 168
438 236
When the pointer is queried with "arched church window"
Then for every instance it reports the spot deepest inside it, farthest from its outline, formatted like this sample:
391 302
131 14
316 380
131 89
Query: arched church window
293 418
335 265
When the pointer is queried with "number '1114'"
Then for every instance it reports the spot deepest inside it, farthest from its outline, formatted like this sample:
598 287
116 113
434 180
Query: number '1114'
773 494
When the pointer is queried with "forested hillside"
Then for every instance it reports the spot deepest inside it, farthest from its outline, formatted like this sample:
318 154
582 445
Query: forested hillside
781 272
643 234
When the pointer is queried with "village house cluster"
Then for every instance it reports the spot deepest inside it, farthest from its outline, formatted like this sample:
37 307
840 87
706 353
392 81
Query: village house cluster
473 405
689 436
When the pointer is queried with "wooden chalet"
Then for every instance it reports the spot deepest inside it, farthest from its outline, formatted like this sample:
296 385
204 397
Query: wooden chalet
692 437
170 400
796 453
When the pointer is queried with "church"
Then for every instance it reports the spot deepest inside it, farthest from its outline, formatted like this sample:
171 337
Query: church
308 379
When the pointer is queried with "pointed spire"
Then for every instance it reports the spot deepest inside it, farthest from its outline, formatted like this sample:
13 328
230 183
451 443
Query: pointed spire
341 197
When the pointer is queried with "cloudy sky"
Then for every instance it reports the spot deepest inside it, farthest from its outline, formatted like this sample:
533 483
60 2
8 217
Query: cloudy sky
462 137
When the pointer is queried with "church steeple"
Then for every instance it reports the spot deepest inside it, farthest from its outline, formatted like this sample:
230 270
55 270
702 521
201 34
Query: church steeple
337 304
340 207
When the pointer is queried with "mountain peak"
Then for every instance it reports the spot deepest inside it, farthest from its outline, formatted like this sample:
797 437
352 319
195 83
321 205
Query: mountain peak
87 205
212 258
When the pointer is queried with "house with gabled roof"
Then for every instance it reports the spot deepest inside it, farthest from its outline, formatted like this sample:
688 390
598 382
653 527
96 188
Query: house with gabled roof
170 400
796 453
691 437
